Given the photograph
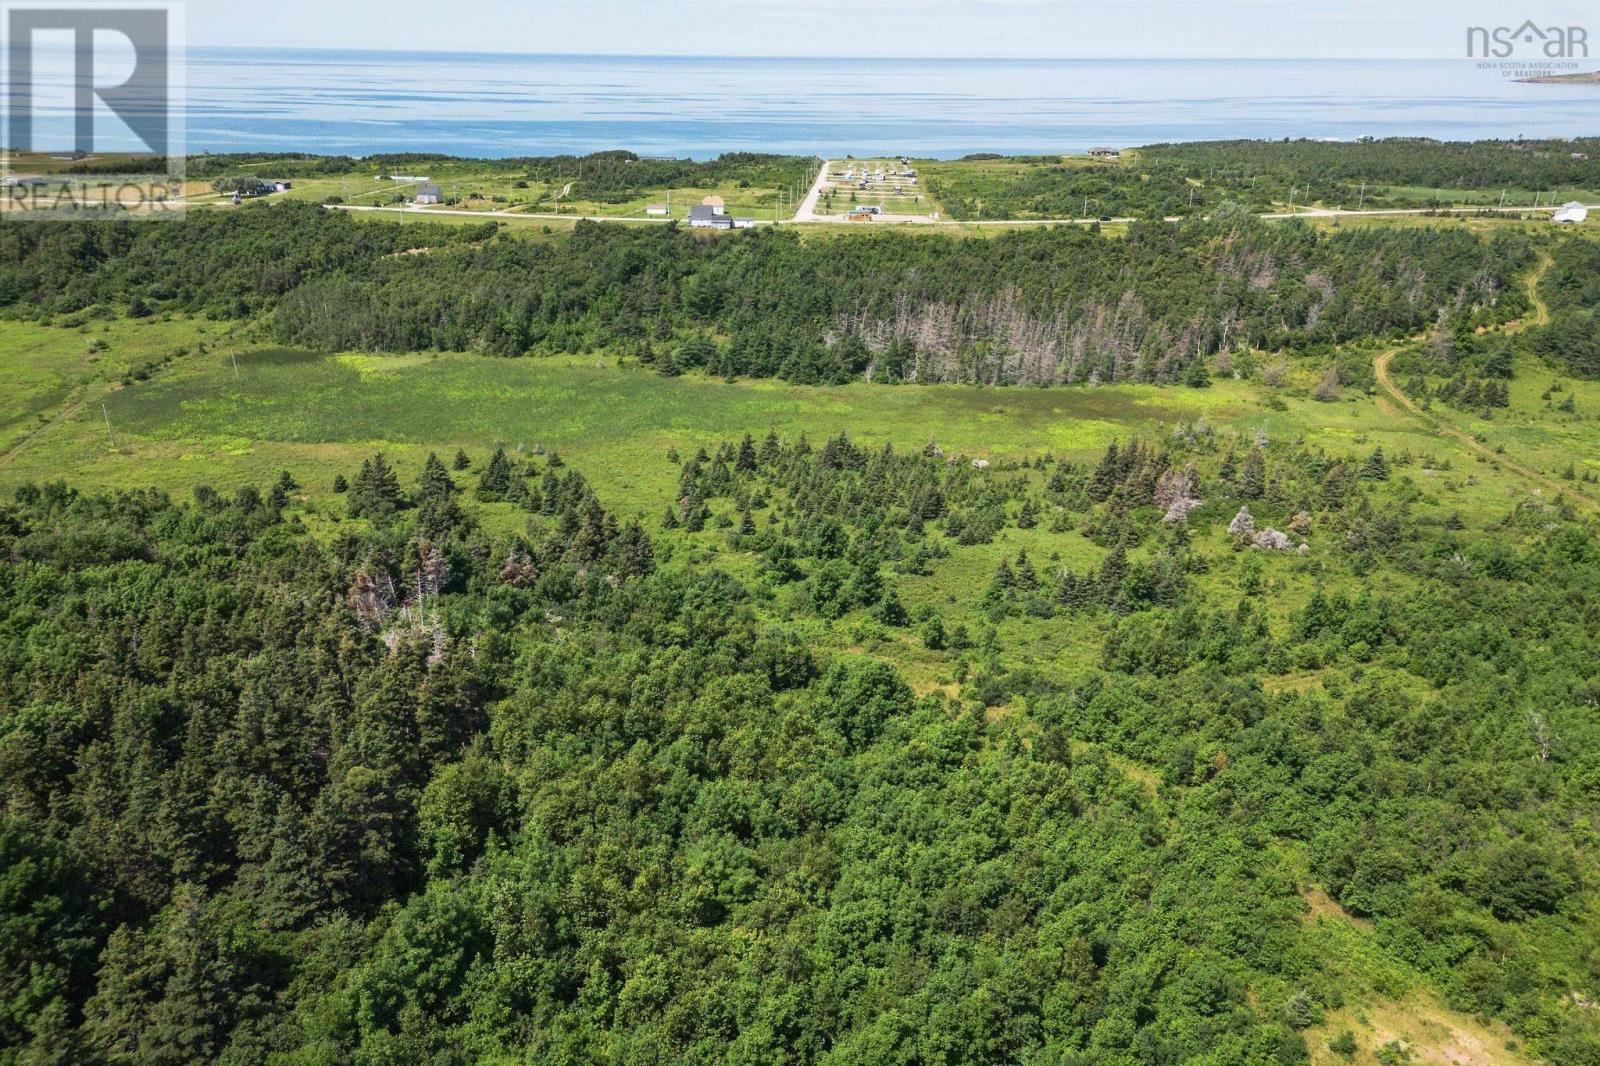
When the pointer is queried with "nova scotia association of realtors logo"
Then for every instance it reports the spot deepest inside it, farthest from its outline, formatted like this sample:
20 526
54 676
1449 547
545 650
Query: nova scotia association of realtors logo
1529 40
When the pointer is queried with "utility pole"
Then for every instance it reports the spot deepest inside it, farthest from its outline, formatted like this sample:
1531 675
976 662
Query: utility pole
1362 202
109 434
235 358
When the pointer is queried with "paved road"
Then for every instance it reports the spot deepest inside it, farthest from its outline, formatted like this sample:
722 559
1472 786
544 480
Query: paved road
424 212
807 211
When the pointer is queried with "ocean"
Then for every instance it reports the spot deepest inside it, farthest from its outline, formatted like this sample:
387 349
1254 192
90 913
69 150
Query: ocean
360 102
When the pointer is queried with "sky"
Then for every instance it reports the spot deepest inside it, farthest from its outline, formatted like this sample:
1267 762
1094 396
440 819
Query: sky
886 28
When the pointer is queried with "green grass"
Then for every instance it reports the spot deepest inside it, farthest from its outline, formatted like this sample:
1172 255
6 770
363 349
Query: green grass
618 421
49 370
840 196
194 421
1532 430
476 187
993 179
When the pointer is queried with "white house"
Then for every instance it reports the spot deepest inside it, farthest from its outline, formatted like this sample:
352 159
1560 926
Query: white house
657 210
430 194
1571 214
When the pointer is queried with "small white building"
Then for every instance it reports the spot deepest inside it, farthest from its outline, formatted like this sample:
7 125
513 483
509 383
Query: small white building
657 210
1571 214
744 223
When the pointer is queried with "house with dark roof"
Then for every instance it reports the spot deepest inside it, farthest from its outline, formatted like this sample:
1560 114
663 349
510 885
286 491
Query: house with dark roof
705 216
430 194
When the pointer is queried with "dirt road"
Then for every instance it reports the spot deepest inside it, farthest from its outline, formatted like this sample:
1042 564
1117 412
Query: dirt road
1539 317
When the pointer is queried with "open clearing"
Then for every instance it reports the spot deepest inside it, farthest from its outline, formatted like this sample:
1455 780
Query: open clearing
199 420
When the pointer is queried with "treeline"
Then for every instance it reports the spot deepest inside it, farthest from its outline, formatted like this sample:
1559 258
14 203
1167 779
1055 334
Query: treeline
1049 188
1025 308
1187 179
1036 308
223 265
616 177
276 165
1572 288
1494 165
608 177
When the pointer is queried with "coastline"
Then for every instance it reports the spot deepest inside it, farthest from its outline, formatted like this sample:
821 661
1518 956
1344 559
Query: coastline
1588 78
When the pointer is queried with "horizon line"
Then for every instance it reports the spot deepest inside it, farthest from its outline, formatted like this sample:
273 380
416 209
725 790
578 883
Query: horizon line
367 50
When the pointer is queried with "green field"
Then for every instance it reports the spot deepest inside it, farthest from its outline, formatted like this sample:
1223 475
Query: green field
199 421
501 186
240 414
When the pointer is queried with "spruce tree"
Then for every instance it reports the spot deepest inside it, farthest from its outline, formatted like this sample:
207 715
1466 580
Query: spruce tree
376 492
890 611
496 478
435 484
1106 475
1253 478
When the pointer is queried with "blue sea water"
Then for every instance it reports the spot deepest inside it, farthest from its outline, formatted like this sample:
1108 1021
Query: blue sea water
497 105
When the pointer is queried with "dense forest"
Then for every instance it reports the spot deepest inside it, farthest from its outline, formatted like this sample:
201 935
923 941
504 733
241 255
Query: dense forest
411 791
1165 180
1572 288
1029 307
1519 164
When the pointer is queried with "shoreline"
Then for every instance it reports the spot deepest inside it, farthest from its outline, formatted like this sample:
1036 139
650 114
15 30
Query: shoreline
1589 78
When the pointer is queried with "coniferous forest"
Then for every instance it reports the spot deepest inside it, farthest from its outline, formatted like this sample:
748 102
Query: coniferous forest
1205 745
1034 307
423 792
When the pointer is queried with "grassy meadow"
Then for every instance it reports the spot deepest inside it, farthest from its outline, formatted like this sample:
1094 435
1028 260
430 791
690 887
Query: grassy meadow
237 413
470 185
